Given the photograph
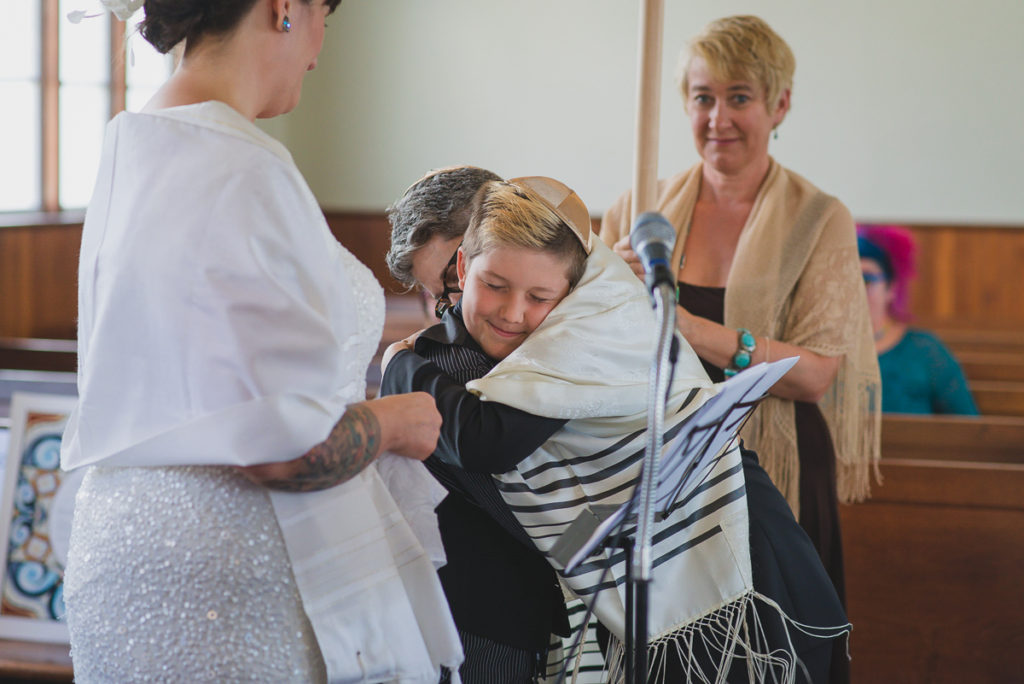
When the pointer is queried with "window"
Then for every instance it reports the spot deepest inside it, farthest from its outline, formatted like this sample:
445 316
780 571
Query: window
65 82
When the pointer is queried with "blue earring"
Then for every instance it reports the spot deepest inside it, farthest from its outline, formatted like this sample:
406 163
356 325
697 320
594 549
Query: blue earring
286 24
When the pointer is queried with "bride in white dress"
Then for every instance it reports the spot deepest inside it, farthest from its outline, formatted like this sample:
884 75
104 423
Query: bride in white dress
231 526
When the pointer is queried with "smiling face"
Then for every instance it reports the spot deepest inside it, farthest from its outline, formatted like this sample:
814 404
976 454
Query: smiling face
731 121
507 293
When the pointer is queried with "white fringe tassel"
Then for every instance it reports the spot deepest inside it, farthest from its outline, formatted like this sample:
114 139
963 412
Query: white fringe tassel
733 632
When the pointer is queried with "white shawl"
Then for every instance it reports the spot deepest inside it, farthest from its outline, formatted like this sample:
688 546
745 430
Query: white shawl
220 323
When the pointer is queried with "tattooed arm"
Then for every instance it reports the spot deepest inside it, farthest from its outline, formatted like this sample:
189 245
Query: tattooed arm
406 424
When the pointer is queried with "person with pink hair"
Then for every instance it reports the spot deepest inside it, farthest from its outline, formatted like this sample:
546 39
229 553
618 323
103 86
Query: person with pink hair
919 374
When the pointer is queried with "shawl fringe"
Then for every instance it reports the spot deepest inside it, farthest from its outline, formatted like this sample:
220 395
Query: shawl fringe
730 633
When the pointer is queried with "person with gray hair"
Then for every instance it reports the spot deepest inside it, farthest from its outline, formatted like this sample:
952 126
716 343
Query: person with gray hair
427 223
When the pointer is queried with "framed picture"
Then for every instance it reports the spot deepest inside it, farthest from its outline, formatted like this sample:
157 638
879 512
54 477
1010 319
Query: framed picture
36 503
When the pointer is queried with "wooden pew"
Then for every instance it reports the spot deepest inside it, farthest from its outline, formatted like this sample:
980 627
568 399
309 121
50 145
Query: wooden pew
982 439
985 340
999 397
22 661
934 558
28 353
1004 366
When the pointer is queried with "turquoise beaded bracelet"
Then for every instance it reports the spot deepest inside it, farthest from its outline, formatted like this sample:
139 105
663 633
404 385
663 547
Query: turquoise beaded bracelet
746 344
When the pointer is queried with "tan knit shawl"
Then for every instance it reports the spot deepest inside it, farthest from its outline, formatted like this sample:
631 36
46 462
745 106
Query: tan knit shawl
795 277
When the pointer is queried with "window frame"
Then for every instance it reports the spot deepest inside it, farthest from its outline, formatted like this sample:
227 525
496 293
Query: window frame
49 88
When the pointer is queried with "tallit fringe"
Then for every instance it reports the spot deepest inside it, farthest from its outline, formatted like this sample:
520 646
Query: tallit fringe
733 632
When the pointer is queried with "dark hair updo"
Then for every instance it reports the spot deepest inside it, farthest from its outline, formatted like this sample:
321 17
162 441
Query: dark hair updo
168 22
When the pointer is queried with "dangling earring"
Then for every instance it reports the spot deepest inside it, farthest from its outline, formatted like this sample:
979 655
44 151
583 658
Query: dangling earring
776 135
286 24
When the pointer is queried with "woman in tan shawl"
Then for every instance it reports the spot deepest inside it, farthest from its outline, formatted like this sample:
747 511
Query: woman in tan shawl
770 271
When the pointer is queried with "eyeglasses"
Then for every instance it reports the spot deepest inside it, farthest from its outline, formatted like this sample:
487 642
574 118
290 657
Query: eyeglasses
872 278
450 280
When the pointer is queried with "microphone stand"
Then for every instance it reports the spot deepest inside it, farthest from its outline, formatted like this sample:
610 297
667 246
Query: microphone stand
640 561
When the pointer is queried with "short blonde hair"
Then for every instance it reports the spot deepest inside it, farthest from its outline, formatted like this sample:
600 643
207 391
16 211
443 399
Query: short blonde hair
509 215
742 48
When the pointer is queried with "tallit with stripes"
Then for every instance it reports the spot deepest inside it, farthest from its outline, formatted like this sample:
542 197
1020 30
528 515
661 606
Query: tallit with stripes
589 362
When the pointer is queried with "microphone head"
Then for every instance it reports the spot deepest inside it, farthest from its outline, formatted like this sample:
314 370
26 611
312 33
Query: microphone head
652 238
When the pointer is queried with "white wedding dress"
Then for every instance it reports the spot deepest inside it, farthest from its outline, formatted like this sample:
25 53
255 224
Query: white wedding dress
220 324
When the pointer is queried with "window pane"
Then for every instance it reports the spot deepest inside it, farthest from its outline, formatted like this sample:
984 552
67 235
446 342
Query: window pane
84 111
148 72
84 47
20 173
20 55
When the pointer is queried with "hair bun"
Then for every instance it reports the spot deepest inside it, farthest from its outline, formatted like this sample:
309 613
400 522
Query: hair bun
168 22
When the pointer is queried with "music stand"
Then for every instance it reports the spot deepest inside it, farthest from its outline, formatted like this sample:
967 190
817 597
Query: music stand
692 451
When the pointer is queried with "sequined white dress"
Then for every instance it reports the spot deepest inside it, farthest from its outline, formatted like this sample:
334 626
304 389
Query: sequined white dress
221 324
181 574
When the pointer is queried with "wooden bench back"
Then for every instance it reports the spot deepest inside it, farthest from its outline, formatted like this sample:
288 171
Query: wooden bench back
933 558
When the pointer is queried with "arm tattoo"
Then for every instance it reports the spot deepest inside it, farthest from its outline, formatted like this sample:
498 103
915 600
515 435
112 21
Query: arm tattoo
352 445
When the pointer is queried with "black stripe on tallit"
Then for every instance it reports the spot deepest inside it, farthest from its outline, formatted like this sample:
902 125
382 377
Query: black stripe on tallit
614 582
557 505
572 480
597 498
671 432
706 484
663 534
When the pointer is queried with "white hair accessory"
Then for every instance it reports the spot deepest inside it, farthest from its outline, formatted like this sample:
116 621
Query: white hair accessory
122 9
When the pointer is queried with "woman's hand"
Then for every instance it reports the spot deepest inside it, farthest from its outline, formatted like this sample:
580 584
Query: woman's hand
625 250
406 424
410 424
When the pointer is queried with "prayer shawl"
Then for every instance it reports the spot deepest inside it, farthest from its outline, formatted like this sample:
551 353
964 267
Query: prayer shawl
589 362
220 323
796 278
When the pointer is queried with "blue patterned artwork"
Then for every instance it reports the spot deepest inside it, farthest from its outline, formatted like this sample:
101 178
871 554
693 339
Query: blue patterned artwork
38 500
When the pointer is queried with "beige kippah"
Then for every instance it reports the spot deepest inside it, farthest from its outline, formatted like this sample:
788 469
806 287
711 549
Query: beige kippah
563 201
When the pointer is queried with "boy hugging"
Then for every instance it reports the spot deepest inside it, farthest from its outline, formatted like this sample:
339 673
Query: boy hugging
541 375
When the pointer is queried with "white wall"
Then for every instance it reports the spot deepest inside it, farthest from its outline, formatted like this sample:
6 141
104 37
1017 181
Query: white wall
908 110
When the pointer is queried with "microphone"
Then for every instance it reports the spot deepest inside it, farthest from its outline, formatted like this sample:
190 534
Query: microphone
653 239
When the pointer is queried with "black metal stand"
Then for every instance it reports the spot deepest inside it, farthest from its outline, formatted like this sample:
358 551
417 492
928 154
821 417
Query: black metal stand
627 546
639 578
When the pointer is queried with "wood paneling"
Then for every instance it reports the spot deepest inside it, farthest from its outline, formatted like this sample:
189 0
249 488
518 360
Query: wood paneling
968 278
38 280
367 236
968 275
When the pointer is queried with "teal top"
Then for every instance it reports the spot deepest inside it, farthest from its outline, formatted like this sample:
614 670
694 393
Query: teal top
920 375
